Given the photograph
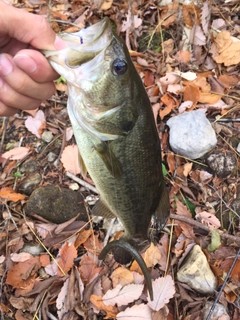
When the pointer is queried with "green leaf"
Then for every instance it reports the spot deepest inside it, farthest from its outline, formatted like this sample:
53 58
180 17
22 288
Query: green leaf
215 241
164 170
190 206
61 79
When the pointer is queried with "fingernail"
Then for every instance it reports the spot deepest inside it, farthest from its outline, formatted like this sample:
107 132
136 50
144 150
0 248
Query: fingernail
6 65
1 82
25 62
59 43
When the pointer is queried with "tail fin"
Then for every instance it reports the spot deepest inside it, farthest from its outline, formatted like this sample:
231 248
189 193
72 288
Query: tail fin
125 246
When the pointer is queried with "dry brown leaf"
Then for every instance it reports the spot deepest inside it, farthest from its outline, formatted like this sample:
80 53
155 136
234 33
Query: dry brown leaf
191 15
152 255
163 291
182 210
187 168
16 153
137 312
67 255
191 93
183 56
122 296
9 194
228 49
208 219
209 98
122 276
70 160
88 267
111 311
171 161
22 274
93 245
82 237
170 104
149 78
106 4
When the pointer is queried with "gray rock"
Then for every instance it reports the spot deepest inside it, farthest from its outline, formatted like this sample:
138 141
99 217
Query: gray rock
47 136
56 204
218 312
51 156
29 166
191 134
196 272
30 183
222 163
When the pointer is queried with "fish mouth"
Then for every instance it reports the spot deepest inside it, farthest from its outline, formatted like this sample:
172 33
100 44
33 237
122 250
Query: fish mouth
82 46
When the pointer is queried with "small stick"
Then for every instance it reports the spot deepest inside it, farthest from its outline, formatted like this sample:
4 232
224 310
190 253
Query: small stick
82 182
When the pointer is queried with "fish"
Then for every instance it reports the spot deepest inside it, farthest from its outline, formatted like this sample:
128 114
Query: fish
116 134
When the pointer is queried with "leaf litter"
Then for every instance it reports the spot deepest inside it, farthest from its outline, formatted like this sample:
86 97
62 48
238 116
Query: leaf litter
185 65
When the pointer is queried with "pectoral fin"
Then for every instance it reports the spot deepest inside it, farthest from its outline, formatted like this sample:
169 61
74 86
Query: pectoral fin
82 165
109 159
100 209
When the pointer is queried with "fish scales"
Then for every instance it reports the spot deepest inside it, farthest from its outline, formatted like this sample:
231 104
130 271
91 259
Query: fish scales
114 127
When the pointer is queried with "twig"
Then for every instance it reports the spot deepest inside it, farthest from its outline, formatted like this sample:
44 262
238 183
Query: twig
223 285
224 201
197 224
82 182
4 128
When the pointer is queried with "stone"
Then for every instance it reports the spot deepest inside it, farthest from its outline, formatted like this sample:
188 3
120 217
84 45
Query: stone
51 156
218 312
191 134
30 183
47 136
222 163
29 166
196 272
56 204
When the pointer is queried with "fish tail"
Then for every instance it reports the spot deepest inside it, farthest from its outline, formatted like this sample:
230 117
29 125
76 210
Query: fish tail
120 246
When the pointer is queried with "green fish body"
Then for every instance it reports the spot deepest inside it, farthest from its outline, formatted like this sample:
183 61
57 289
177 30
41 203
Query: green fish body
114 127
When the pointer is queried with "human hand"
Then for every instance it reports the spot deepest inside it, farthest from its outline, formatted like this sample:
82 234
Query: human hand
26 77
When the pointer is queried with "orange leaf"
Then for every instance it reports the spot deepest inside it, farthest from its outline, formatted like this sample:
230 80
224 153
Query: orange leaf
111 311
149 78
82 237
22 274
183 56
67 254
44 260
209 98
171 162
191 93
9 194
170 103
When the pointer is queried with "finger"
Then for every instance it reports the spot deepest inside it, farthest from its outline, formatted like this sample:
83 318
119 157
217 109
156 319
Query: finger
6 111
21 83
28 28
35 65
13 99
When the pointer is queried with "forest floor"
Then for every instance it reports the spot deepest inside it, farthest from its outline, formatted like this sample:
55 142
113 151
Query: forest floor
60 277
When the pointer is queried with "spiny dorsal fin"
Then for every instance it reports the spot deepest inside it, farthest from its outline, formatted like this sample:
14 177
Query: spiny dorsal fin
100 209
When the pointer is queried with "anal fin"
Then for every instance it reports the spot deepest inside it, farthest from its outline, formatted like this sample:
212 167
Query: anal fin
100 209
162 212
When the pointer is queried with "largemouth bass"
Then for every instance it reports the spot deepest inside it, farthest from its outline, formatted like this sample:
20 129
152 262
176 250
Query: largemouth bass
116 134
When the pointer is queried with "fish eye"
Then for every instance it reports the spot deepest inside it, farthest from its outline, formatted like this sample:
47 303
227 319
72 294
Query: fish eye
119 66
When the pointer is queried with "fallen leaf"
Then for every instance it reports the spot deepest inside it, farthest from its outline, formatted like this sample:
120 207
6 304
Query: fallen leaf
20 257
106 5
67 255
122 296
137 312
16 153
170 104
36 124
122 276
163 291
229 51
208 219
70 159
9 194
110 310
